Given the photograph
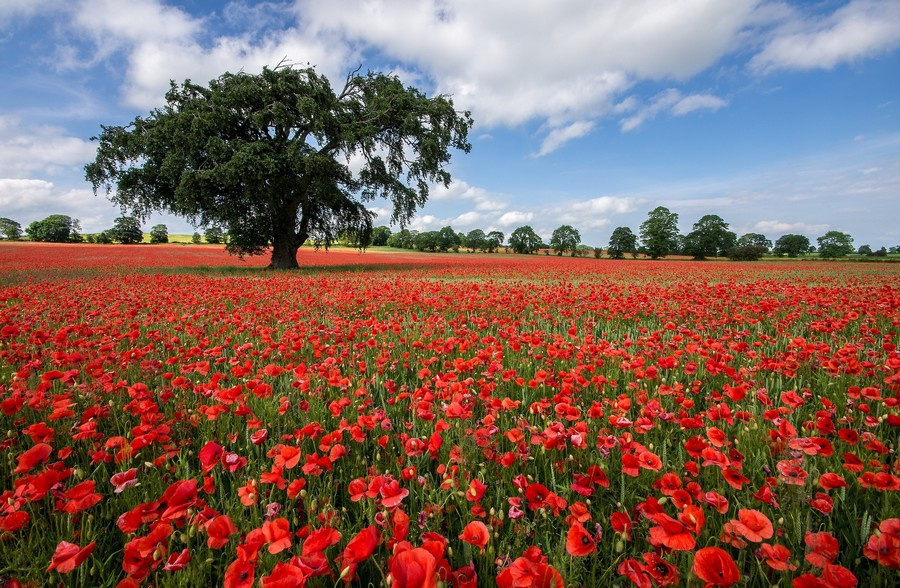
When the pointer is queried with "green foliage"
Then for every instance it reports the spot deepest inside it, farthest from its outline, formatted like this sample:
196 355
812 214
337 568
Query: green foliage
126 230
565 238
56 228
195 238
865 250
426 241
402 240
104 238
493 240
746 252
659 233
621 242
447 239
159 234
213 235
710 237
10 229
755 240
524 240
380 236
266 156
835 244
475 239
791 245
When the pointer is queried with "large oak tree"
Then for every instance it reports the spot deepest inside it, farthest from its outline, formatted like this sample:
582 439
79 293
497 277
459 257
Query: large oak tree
280 158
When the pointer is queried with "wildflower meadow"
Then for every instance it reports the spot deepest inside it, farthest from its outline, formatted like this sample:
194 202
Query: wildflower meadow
171 416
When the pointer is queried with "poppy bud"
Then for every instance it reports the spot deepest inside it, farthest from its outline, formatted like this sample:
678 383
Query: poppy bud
344 573
620 547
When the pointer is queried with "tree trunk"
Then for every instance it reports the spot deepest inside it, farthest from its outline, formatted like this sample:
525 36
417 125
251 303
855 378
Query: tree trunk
284 251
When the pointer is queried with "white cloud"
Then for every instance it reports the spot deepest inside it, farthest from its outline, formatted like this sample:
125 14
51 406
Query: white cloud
514 61
559 136
461 190
27 200
776 227
672 101
467 220
514 217
859 29
26 150
12 9
428 222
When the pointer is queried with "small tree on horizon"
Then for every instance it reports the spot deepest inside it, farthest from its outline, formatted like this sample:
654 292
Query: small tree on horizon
10 229
659 233
622 241
159 234
565 238
791 245
524 240
126 230
835 244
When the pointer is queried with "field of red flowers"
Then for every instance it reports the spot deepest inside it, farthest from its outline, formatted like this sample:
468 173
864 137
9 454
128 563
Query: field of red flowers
445 420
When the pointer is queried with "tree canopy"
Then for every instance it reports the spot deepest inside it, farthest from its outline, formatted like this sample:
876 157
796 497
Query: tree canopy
710 237
126 230
267 156
791 245
565 238
56 228
659 233
10 229
835 244
159 234
524 240
621 241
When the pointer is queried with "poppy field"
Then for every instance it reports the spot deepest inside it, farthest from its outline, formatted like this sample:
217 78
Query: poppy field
171 416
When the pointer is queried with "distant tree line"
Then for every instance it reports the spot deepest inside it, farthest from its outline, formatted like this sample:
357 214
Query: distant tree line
657 237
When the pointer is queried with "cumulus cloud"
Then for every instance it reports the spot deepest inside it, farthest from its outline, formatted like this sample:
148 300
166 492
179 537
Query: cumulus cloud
460 190
26 150
775 227
514 217
558 137
671 101
859 29
27 200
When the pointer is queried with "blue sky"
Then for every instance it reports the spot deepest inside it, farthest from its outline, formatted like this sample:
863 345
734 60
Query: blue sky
780 117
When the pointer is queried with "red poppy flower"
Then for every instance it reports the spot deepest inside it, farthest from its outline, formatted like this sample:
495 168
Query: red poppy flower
823 548
621 523
662 572
123 480
670 533
537 495
69 556
839 577
830 481
636 572
752 525
884 545
392 494
277 533
358 550
178 561
219 530
476 490
285 575
413 568
776 556
33 456
714 566
320 540
476 533
78 498
579 542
